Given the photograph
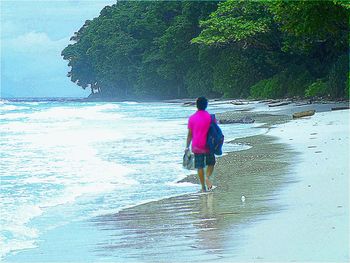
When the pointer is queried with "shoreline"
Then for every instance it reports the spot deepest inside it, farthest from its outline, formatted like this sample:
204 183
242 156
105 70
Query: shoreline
195 204
212 226
311 221
260 174
225 212
197 225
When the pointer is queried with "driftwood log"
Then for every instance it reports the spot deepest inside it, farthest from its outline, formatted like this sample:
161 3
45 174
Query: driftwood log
265 101
238 103
189 104
273 101
279 104
303 114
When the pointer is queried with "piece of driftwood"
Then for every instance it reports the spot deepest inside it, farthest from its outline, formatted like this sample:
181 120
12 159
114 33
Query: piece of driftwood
238 103
266 101
279 104
341 108
303 114
189 104
274 101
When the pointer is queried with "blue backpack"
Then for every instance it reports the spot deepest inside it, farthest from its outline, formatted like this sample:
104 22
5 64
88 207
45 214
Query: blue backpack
215 138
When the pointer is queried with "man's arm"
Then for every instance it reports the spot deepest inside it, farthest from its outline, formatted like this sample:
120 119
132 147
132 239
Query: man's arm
189 139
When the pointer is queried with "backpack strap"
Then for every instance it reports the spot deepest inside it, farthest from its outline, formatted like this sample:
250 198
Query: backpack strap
212 117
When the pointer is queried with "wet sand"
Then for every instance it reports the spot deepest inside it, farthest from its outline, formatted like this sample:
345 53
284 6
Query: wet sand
203 227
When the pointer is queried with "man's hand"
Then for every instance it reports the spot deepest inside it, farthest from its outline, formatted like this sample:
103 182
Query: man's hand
189 139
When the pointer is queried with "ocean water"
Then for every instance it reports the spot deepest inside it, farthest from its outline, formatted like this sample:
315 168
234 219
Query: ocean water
65 161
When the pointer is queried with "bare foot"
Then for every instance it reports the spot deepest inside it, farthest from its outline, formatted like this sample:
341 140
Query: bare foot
209 184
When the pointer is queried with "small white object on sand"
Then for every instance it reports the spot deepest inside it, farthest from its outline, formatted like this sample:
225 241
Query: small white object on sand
318 216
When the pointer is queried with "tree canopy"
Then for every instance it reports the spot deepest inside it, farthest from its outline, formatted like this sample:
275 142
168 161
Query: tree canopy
234 48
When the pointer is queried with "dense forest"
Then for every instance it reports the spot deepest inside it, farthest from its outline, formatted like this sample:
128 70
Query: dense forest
234 48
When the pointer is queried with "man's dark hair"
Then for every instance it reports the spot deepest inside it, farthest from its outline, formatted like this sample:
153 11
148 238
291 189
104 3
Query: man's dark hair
202 103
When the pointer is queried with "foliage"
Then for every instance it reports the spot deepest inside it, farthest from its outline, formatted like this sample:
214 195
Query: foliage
235 21
317 89
238 70
311 25
234 48
266 88
288 83
345 4
337 77
347 87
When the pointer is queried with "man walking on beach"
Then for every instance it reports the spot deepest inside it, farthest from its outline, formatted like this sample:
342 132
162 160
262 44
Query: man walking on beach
198 127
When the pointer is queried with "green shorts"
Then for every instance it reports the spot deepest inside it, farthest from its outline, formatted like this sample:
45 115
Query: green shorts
200 160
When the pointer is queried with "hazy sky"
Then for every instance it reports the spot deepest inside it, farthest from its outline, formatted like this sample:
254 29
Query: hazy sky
33 34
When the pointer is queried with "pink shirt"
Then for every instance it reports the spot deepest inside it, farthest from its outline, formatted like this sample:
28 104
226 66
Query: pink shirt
199 124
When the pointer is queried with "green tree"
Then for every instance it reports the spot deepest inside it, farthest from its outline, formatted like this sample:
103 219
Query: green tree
244 23
312 25
173 49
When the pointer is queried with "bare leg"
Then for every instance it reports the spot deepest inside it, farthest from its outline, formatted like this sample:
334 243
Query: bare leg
201 177
210 169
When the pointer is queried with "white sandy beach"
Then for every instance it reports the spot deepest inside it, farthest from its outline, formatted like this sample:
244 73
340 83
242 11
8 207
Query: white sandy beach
315 224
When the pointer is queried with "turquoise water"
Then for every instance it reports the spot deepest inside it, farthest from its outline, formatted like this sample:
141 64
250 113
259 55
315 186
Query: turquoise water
67 161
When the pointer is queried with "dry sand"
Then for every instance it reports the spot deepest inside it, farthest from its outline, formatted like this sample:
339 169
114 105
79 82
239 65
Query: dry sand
315 225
